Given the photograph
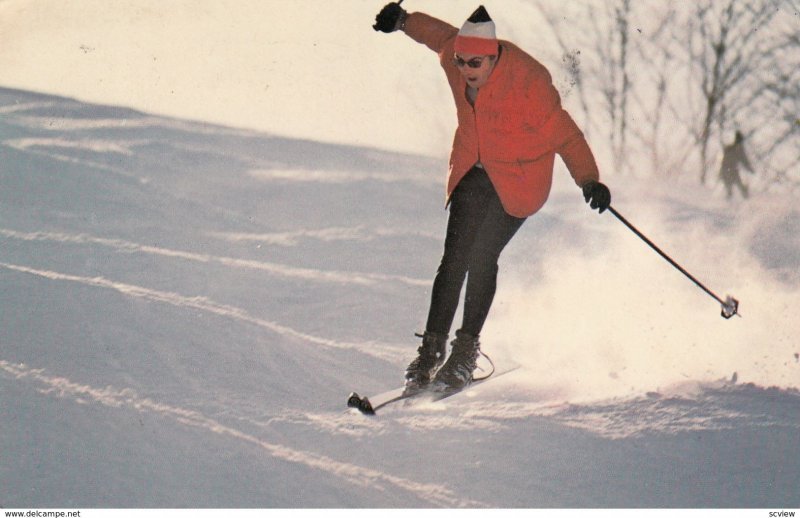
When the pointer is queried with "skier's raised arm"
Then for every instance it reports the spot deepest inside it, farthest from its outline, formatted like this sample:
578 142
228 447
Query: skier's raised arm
420 27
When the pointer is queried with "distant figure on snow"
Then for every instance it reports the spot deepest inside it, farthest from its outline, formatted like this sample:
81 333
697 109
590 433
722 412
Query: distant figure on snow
510 127
732 157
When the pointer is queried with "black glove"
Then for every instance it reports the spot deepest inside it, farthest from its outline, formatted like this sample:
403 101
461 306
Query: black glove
390 18
597 195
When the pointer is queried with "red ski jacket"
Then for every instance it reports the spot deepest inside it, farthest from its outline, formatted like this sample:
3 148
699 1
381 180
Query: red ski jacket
516 126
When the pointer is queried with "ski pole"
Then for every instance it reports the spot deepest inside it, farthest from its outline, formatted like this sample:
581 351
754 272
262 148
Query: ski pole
730 306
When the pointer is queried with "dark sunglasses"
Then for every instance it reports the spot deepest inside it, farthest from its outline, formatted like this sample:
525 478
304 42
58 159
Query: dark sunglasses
472 63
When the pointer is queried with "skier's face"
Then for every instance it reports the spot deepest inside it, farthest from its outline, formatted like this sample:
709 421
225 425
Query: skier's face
475 69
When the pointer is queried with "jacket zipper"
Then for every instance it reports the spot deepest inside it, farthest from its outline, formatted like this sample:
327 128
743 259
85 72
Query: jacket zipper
475 122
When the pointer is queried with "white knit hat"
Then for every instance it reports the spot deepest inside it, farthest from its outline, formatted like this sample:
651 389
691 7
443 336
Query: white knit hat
477 35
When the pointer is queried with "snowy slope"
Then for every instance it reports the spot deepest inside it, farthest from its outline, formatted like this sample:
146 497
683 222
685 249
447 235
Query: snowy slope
222 217
185 307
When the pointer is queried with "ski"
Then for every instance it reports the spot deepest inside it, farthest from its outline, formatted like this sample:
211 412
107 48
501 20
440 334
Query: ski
371 405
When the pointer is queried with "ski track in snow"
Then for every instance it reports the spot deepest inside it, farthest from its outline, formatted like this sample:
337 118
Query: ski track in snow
28 146
282 270
121 147
625 418
384 352
357 233
664 415
109 396
339 177
331 423
622 419
22 107
136 121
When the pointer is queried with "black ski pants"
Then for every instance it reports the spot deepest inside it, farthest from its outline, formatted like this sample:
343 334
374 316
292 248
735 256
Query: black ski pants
478 229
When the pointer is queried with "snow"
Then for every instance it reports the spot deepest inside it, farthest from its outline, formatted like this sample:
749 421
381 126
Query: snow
191 283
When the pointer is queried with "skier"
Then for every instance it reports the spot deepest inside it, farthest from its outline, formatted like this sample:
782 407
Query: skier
734 155
510 127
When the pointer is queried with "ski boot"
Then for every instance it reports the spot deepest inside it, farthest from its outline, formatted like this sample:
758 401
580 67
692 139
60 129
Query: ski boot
429 358
457 371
